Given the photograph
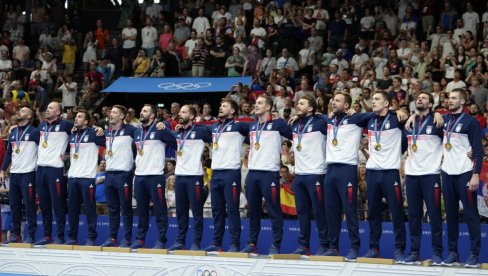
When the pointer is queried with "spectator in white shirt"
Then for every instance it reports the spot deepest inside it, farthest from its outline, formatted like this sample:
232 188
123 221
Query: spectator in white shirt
201 23
258 34
288 62
69 89
149 36
456 82
340 61
129 51
471 19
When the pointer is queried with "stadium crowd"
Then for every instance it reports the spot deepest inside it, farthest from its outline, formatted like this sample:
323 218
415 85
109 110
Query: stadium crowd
293 51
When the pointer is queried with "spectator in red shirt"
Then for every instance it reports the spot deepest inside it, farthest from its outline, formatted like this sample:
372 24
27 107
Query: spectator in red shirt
474 110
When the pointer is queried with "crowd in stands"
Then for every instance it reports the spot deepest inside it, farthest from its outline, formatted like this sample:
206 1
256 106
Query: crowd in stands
290 48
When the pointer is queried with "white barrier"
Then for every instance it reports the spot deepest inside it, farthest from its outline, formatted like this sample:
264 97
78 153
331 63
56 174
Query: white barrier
72 262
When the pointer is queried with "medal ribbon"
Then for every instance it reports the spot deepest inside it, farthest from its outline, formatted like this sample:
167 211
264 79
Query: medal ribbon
185 136
416 134
21 134
144 136
220 130
450 126
302 130
258 131
46 133
336 126
112 137
78 142
377 134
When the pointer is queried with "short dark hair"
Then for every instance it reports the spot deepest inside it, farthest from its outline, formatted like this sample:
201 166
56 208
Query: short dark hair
121 108
385 95
347 97
462 94
192 110
87 115
431 98
232 103
154 109
311 101
267 99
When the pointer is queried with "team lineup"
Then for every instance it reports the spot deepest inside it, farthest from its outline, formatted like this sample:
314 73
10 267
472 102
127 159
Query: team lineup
444 156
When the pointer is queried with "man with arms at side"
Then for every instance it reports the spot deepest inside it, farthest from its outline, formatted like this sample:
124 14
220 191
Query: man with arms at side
263 179
22 149
119 155
84 145
50 187
191 140
149 182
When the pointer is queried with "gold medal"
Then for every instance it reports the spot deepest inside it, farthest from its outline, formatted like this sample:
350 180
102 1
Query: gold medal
141 152
377 147
448 146
17 150
44 144
299 147
110 152
215 145
180 152
76 155
414 147
335 142
257 146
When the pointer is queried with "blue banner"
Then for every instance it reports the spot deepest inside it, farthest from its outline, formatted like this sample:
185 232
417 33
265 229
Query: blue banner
175 85
291 231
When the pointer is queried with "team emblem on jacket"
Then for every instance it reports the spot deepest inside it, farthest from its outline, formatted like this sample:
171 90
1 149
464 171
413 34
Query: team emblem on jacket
85 139
387 125
56 128
428 130
344 122
268 127
458 127
229 128
152 135
192 135
121 132
309 128
26 137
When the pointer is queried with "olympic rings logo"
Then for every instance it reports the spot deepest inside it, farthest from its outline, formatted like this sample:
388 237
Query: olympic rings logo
206 272
183 85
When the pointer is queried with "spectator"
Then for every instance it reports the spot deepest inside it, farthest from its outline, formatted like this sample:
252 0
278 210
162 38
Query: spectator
149 36
199 58
115 53
456 82
157 66
131 118
235 64
141 64
170 194
218 54
287 62
165 38
474 110
103 37
201 23
90 46
171 61
129 52
69 90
